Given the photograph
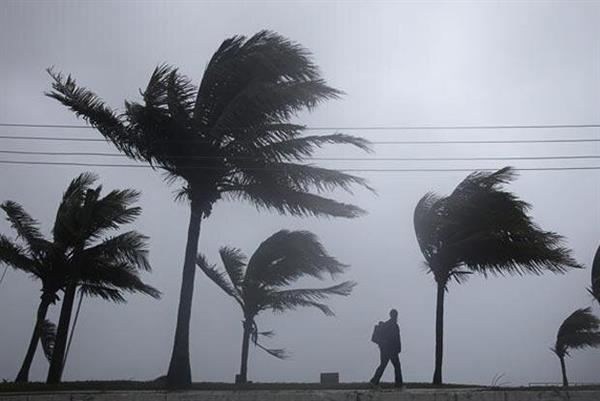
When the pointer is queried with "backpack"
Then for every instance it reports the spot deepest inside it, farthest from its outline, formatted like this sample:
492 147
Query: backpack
378 333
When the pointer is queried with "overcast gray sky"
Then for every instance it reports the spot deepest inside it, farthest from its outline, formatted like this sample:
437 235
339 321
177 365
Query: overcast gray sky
400 63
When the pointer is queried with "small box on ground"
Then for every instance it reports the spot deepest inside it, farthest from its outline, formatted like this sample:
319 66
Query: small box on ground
330 378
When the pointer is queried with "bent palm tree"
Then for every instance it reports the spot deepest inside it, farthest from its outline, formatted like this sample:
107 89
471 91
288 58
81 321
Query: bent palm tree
262 283
232 137
481 228
595 288
98 264
580 330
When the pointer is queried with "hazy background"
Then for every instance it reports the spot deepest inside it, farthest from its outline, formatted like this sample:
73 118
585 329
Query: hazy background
400 63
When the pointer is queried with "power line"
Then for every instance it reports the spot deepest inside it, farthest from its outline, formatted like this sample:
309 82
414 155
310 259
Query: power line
576 140
106 154
283 169
361 128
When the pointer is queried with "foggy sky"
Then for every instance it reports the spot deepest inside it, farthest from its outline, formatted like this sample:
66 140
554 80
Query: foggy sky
466 63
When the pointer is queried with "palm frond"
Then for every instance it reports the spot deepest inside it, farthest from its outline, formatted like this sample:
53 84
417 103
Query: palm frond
283 300
104 292
27 228
580 330
48 338
288 255
17 257
129 247
296 203
279 353
87 105
234 262
218 277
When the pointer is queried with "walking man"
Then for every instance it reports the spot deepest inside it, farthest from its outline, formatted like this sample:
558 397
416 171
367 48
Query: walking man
387 336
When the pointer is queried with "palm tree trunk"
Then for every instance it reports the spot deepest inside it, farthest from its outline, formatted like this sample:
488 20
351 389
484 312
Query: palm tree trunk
564 371
180 375
439 334
23 375
56 365
243 377
73 328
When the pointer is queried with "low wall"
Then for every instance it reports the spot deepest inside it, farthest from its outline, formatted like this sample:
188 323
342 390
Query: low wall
310 395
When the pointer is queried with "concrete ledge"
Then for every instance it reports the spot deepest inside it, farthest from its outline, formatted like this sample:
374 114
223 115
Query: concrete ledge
310 395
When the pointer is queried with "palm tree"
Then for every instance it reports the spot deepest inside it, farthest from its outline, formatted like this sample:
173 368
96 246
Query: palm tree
232 137
38 257
105 274
580 330
97 264
595 289
263 282
481 228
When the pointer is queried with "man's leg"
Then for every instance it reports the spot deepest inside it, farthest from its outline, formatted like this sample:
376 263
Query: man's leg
384 359
397 370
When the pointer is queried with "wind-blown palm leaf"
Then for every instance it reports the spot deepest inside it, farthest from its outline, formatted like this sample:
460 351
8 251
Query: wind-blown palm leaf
48 338
595 289
283 300
16 257
129 247
580 330
234 262
218 277
288 255
104 292
26 227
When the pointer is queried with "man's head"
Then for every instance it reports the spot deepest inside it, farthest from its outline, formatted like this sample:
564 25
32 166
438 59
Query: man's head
394 315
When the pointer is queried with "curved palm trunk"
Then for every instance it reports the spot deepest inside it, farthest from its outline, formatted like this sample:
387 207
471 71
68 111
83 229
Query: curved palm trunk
564 371
179 375
23 375
439 334
56 365
243 376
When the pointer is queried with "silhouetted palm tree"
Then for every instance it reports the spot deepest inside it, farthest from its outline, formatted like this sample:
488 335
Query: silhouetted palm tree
232 137
263 282
97 264
481 228
595 288
580 330
38 257
49 261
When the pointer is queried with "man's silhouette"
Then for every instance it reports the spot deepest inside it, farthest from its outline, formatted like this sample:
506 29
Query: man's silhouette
388 340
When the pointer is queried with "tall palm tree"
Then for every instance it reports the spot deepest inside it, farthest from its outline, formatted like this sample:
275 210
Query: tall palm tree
263 282
580 330
595 288
482 228
232 137
97 263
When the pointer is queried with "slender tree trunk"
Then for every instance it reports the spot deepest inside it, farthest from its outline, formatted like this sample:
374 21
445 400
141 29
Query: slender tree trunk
180 375
243 377
564 371
56 365
73 329
23 375
439 334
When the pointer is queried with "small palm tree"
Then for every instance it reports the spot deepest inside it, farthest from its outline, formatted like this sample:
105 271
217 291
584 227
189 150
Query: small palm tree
580 330
481 228
39 257
232 137
97 264
263 282
50 262
595 288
